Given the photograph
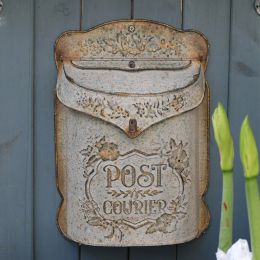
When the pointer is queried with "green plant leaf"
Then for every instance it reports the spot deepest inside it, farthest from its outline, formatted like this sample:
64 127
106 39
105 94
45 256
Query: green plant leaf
223 138
248 150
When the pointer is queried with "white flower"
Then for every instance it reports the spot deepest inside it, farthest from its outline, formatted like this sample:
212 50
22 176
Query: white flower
238 251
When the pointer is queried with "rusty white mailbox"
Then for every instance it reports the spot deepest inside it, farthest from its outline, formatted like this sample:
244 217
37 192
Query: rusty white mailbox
132 134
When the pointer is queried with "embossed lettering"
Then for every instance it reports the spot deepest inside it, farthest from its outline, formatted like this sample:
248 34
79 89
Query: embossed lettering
146 179
159 168
110 174
128 170
117 207
161 205
105 208
138 207
129 176
128 210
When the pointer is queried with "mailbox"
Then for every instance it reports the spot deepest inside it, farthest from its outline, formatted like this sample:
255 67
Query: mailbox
131 121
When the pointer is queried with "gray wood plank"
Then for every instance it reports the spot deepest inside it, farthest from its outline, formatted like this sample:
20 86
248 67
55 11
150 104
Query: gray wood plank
94 13
213 19
97 12
166 11
244 93
153 253
16 135
52 18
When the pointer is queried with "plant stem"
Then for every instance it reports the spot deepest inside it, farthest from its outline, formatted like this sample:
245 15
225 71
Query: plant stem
226 221
253 208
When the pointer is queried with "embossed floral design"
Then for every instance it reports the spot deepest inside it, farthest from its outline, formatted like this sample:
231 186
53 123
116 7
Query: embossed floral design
178 159
176 210
101 107
148 109
177 102
128 44
160 107
89 46
117 111
125 43
107 151
167 222
100 150
133 193
93 218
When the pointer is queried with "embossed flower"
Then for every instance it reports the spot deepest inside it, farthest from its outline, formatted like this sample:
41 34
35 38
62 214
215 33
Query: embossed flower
151 111
177 102
166 223
178 159
118 111
140 109
107 151
125 114
87 151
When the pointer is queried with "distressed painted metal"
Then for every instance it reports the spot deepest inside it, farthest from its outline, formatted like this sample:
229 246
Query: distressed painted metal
132 134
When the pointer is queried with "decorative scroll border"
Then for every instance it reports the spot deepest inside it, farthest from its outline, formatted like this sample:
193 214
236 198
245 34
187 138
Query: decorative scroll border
103 150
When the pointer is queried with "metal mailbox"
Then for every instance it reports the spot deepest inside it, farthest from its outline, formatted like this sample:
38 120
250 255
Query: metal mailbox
131 122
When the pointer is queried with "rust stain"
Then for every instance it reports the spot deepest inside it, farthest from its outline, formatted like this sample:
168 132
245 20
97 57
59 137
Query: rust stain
225 206
61 218
133 134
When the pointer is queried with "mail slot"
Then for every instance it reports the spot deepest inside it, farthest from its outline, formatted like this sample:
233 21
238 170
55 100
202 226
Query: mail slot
131 121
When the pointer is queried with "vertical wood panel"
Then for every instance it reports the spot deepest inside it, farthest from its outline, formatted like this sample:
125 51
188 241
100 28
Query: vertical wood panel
16 135
166 11
213 19
244 95
97 12
52 18
94 13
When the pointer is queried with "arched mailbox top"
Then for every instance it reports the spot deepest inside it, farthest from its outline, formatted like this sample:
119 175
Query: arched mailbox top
131 71
133 40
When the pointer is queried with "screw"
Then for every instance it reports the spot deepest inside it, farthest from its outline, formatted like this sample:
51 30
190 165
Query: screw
131 28
131 64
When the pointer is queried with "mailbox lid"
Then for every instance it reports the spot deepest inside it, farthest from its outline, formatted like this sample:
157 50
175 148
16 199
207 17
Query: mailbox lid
139 105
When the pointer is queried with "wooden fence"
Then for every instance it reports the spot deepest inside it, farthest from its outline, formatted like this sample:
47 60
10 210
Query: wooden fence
28 194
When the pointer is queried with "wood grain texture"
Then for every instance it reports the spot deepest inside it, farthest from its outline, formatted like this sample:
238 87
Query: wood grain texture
97 12
169 12
94 13
244 94
166 11
52 17
16 134
213 19
16 112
